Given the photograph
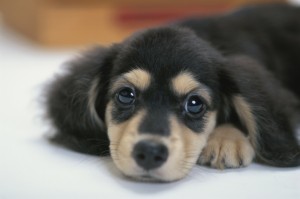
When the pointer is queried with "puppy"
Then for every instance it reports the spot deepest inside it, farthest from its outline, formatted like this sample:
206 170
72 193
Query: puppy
218 91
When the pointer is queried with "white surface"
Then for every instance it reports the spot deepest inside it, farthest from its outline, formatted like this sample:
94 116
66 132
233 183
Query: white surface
32 168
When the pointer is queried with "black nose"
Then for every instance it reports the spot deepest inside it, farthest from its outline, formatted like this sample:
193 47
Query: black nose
150 154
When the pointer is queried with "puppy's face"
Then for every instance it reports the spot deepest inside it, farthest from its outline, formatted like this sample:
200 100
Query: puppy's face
161 105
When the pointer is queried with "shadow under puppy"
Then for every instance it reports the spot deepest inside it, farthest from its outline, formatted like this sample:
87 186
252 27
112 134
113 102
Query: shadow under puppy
218 91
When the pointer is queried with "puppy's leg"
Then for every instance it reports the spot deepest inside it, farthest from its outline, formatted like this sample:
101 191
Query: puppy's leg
227 147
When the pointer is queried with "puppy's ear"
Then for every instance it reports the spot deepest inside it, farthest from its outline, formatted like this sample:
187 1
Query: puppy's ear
71 102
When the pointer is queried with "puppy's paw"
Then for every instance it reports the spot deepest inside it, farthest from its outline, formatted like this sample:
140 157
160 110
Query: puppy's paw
227 147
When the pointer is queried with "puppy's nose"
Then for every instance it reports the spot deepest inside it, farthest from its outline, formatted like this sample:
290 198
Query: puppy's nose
150 154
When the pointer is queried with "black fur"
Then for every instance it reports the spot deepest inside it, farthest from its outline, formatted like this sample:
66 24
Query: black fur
67 103
253 52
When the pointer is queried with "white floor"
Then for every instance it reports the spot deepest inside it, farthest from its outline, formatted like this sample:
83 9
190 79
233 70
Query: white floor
32 168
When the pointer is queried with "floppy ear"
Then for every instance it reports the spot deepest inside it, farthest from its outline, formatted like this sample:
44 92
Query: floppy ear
71 102
254 101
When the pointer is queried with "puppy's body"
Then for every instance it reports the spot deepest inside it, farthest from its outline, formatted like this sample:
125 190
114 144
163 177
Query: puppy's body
269 34
244 80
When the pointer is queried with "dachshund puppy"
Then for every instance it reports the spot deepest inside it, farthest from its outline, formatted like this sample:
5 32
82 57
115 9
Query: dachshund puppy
218 91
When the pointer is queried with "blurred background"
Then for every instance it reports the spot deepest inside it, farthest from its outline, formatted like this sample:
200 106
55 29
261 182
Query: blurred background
61 23
36 38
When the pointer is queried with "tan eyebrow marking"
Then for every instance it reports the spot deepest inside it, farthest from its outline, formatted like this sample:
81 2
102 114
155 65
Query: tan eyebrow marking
184 83
139 78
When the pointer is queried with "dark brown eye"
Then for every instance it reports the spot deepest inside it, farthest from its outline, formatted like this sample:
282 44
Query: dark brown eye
126 96
194 106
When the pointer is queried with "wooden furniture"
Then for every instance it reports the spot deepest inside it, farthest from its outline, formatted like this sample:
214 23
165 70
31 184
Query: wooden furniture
83 22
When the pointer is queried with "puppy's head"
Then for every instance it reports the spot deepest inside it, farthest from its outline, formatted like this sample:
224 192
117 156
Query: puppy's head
160 103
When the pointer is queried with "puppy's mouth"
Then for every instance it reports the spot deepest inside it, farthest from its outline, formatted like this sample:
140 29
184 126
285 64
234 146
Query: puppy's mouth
147 177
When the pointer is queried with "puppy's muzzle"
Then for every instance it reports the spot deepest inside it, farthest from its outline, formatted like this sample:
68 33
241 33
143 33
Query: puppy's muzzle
150 154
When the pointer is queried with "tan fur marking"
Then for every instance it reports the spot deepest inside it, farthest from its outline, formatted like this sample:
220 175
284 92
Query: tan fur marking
227 147
184 83
184 148
195 142
139 78
122 139
92 95
243 110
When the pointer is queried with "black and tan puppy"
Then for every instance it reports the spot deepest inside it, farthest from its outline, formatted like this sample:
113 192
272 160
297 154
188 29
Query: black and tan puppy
219 91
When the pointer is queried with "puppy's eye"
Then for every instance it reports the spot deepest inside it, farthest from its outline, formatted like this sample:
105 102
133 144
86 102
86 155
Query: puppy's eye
126 96
194 106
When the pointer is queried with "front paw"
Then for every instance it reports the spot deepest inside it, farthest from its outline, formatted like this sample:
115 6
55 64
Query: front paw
227 147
